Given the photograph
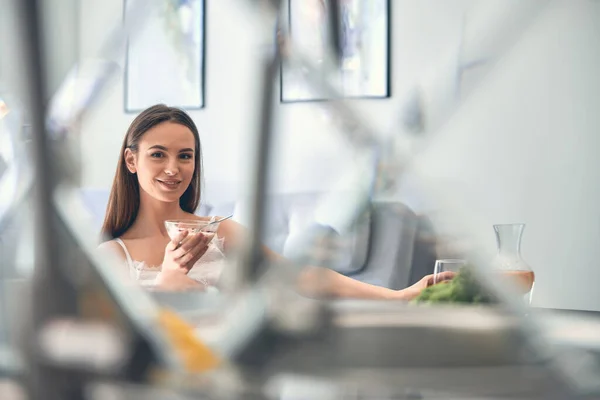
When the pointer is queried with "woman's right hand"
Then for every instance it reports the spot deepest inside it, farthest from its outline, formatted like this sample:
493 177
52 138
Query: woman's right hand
180 256
184 250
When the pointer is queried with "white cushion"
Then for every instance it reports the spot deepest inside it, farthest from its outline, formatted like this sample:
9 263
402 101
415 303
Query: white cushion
352 246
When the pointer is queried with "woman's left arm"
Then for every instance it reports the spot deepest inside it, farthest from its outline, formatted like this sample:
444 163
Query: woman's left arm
319 281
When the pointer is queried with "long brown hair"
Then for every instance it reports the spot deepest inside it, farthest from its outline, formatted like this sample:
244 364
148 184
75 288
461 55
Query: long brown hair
124 200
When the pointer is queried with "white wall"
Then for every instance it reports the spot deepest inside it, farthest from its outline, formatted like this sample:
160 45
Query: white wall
523 148
61 28
306 147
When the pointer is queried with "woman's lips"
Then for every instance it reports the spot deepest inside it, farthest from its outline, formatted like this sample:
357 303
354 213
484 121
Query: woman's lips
169 184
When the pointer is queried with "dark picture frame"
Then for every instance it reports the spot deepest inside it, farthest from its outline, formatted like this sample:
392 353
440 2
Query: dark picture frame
365 71
165 62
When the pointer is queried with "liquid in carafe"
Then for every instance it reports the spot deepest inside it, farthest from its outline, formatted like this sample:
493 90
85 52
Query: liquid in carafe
508 261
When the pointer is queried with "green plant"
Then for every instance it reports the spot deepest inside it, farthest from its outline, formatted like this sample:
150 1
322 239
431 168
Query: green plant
464 288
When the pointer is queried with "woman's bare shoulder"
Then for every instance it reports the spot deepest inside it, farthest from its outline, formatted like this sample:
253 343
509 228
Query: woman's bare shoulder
112 247
233 232
230 224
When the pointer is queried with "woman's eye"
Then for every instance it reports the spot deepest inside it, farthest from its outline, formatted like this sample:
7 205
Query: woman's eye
186 156
156 155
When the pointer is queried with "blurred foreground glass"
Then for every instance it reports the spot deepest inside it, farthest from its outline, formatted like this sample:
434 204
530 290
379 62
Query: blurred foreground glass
509 261
446 265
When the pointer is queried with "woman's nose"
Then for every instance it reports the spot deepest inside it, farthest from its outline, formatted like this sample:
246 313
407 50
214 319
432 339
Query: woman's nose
172 168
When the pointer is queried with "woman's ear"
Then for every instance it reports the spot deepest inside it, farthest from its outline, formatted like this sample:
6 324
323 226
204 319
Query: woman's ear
130 161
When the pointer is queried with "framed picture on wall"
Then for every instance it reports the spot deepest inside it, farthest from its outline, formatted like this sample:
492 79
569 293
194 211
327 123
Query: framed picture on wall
164 62
364 70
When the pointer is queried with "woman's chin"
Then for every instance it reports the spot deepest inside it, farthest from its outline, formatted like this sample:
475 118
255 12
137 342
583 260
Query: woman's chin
164 195
167 197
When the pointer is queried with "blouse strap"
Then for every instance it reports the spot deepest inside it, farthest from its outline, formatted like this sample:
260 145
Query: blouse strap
127 255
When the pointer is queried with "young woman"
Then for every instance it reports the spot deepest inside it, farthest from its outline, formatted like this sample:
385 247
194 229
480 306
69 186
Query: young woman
158 178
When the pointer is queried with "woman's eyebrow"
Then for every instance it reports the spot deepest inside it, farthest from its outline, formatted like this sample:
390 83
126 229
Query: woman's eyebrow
158 146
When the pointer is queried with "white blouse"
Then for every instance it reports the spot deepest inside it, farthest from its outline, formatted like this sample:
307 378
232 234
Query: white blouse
207 269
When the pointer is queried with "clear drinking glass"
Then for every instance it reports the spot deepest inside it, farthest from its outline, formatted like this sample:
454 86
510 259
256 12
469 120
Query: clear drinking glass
453 265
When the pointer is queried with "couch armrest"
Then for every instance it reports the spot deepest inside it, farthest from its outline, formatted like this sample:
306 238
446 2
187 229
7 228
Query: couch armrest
393 232
425 250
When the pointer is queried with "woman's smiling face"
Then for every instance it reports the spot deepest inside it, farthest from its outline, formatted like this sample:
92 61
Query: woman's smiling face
165 161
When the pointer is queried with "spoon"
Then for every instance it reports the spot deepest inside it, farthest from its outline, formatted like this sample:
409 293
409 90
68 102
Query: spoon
219 220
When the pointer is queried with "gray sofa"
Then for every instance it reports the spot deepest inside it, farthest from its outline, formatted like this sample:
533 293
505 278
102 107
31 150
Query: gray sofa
390 247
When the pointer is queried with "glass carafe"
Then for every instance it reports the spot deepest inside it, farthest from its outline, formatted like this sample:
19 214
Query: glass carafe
509 260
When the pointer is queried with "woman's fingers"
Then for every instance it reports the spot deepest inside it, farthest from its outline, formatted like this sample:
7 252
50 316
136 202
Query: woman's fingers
176 241
189 259
442 276
446 275
190 243
195 246
201 249
208 236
